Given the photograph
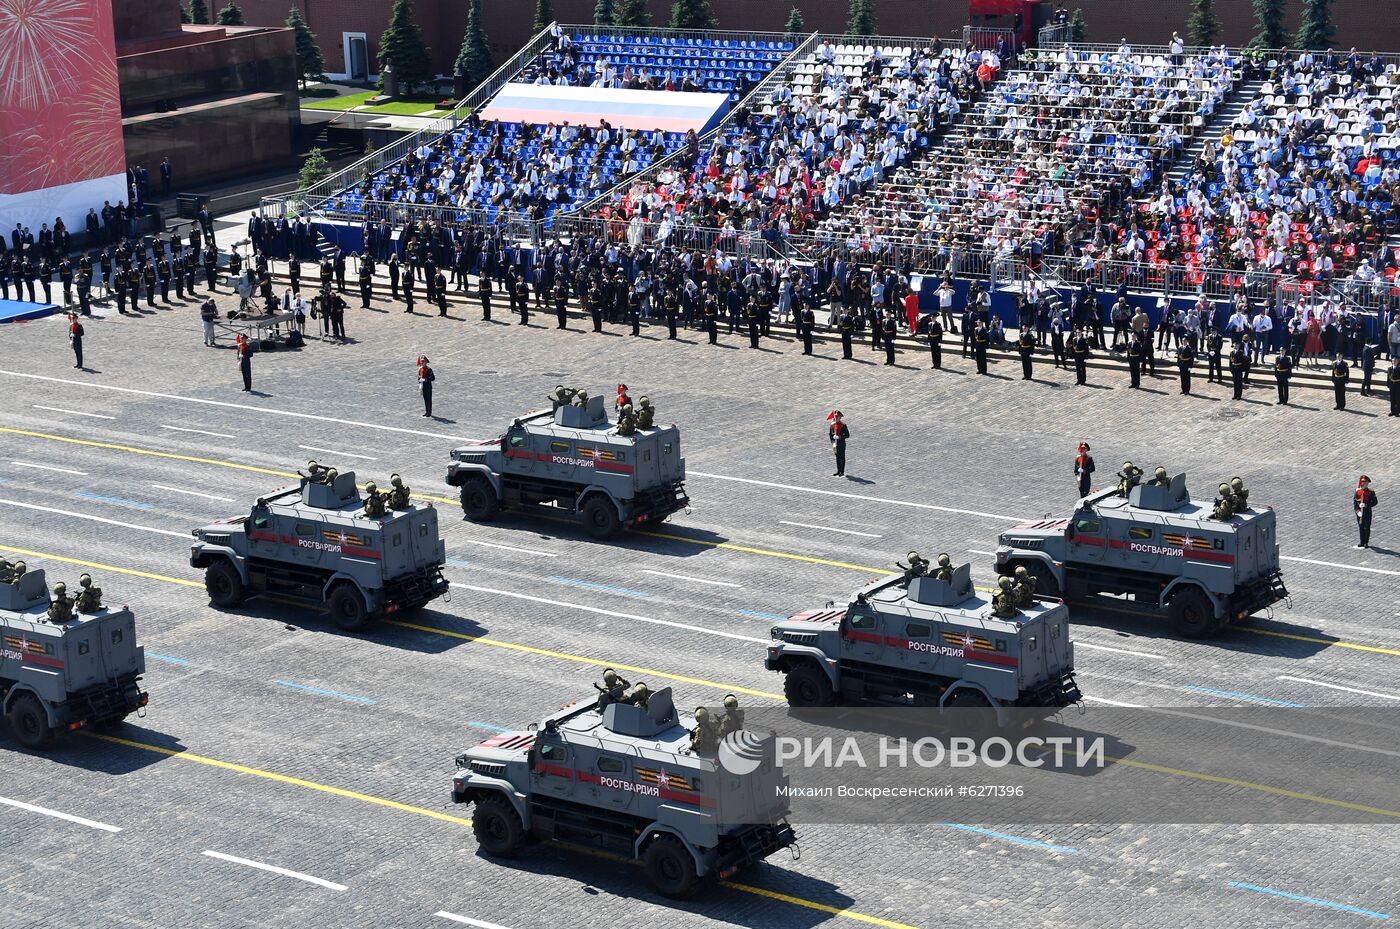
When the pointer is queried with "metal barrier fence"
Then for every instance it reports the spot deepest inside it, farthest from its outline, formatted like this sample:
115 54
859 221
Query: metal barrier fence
640 234
985 37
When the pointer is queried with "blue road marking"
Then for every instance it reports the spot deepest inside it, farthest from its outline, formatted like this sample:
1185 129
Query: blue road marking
1065 849
168 658
123 501
456 561
759 615
479 725
1240 696
328 693
608 587
1313 900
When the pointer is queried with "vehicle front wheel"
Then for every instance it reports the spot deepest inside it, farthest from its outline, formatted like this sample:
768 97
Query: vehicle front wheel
670 868
479 501
497 827
1192 614
600 517
808 685
224 584
348 608
30 723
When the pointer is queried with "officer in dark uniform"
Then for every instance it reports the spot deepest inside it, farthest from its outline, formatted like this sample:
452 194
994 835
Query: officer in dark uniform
1283 372
847 325
394 276
483 289
148 279
1025 344
1341 373
887 333
712 317
765 311
119 288
935 341
1369 352
408 299
245 362
751 315
163 272
671 307
980 340
366 281
65 277
634 311
339 268
84 283
807 322
191 263
522 298
1079 347
211 270
595 306
1134 362
1214 346
1185 360
1238 363
1392 381
46 277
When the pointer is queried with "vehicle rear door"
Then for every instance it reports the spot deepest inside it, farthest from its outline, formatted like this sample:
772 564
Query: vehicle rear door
649 457
118 637
398 546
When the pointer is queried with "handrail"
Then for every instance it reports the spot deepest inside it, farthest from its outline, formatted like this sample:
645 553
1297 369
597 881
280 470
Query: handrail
661 32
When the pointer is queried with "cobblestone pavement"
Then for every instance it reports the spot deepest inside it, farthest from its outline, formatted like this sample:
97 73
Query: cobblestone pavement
232 760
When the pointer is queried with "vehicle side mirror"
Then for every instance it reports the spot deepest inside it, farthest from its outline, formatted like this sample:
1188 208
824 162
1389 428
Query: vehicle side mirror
1069 530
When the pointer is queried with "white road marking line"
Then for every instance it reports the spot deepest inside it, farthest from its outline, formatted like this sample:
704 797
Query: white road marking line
840 493
1080 643
59 409
978 551
193 493
96 519
1350 690
1113 702
68 817
1333 564
30 464
687 577
467 920
613 613
217 435
269 411
332 451
510 548
285 872
868 535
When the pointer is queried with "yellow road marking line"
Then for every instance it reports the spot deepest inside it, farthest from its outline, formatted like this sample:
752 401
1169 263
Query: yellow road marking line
102 567
813 905
1321 641
580 659
284 779
764 551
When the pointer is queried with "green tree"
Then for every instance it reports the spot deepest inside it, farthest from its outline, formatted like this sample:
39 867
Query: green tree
1317 29
1078 28
1269 16
474 59
692 14
1202 26
231 15
402 45
199 12
314 169
796 25
862 21
310 61
604 13
184 13
633 13
544 15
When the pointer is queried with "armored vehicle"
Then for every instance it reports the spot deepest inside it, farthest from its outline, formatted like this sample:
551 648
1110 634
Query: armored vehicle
625 780
1159 547
61 669
573 461
320 543
928 641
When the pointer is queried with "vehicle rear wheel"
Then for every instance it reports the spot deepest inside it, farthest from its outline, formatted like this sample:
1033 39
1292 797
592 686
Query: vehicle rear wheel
600 517
30 723
968 699
348 608
1192 614
670 868
224 585
479 501
497 827
807 685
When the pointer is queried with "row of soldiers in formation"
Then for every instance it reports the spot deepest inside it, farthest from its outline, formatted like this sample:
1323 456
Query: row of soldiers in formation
708 731
61 606
1013 594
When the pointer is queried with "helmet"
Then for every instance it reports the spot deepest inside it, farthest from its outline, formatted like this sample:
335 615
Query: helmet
701 714
913 556
370 487
627 408
1236 483
609 676
1224 488
84 580
731 702
60 589
1004 583
582 395
20 568
640 689
331 475
1161 474
395 480
944 560
312 465
1127 466
643 401
1021 571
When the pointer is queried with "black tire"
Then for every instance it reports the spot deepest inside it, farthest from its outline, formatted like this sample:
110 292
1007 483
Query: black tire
1192 614
968 699
224 585
807 685
30 723
670 868
348 608
497 827
600 517
480 503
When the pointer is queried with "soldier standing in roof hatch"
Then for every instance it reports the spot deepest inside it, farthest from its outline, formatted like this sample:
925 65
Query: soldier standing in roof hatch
839 433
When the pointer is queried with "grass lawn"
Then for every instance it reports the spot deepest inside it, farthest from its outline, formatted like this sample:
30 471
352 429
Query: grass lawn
357 102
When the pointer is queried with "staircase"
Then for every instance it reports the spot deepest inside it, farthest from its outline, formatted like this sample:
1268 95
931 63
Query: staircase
1243 94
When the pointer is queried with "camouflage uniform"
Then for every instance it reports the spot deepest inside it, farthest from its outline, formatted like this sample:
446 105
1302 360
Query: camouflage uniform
612 690
1223 508
626 421
1160 479
61 609
1004 600
1128 478
398 497
1023 591
374 501
917 567
89 599
639 696
646 413
1239 497
704 737
733 719
945 568
315 474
